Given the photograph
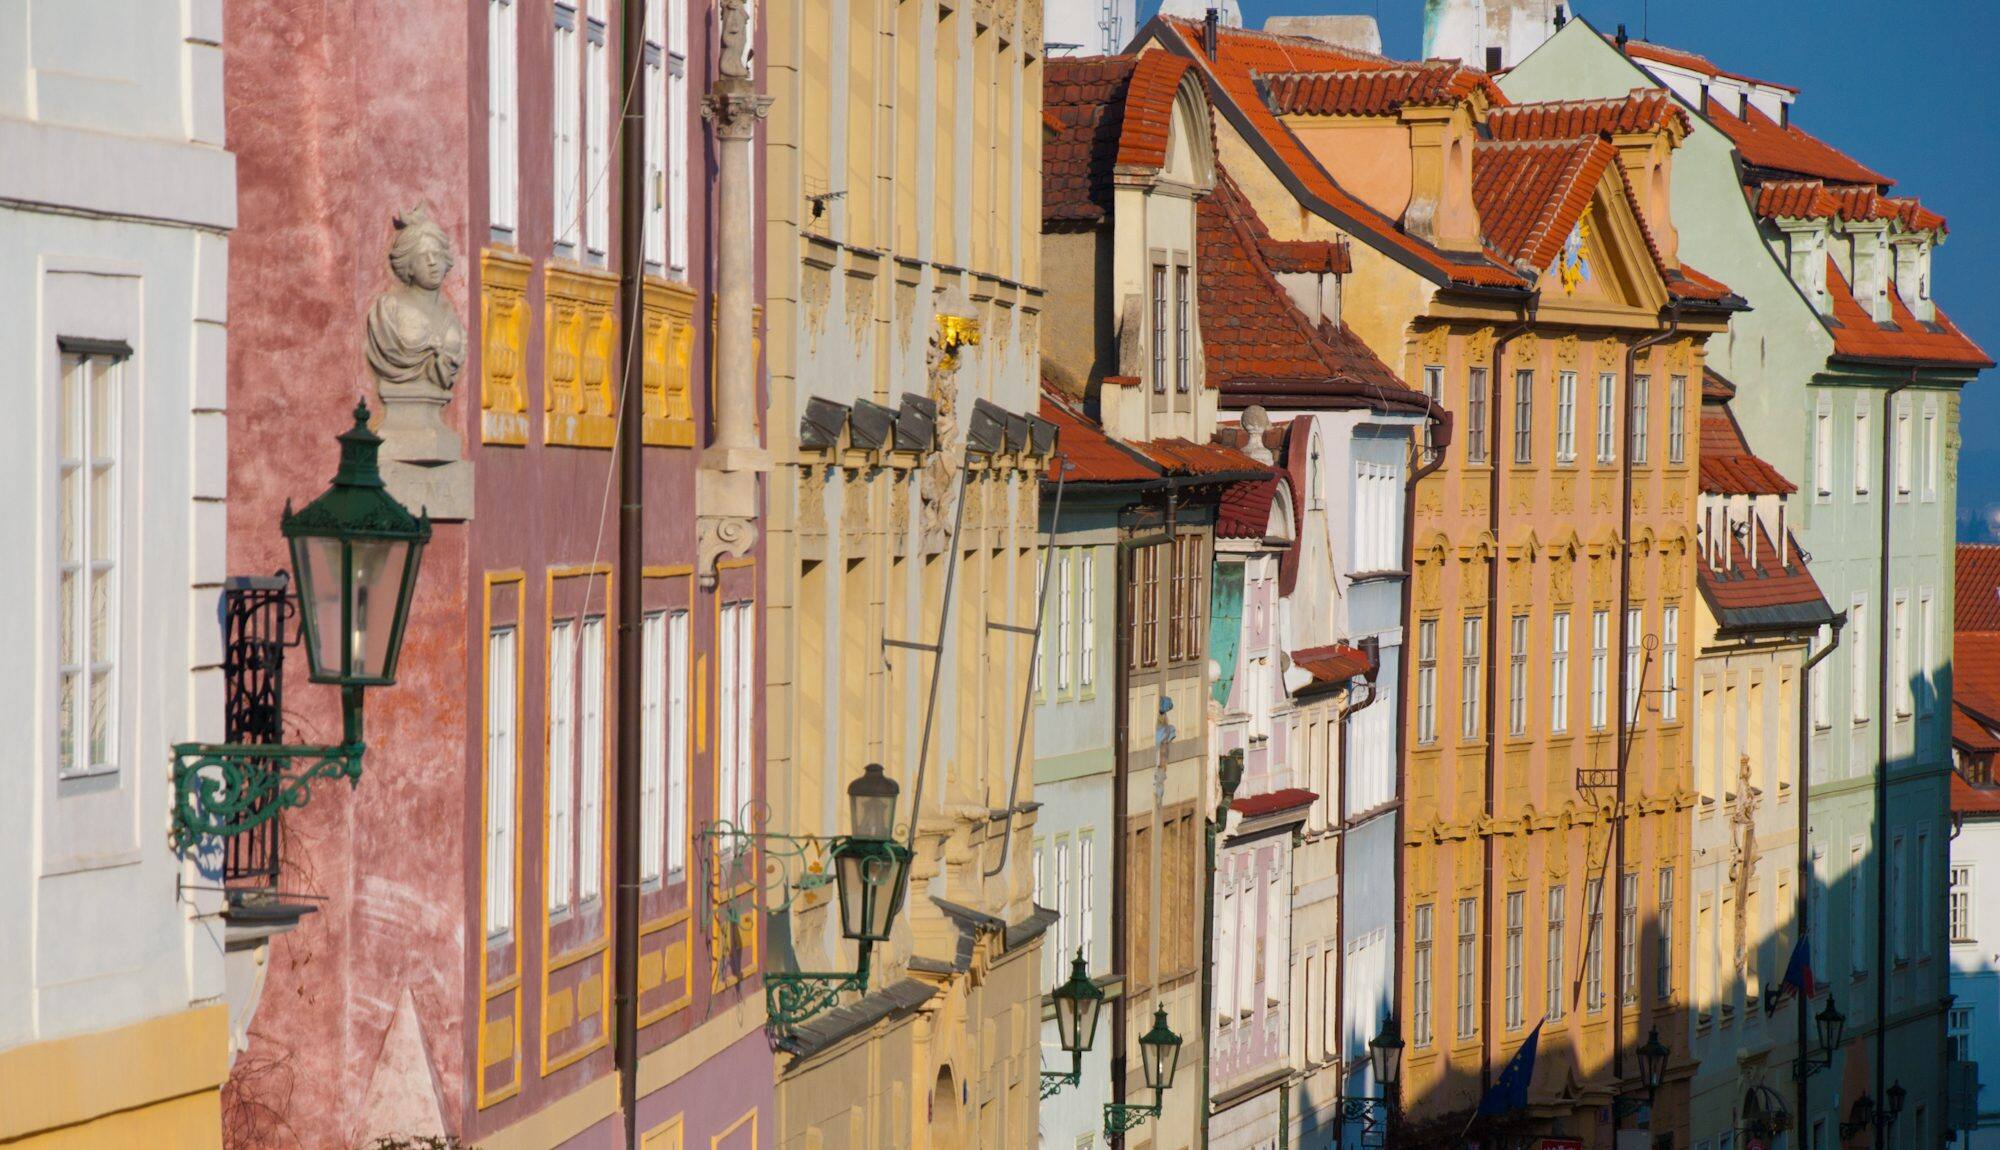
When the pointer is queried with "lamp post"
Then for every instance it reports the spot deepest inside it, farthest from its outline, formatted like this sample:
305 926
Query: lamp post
1830 1022
1385 1058
872 872
1865 1113
356 552
1653 1055
1159 1058
1077 1002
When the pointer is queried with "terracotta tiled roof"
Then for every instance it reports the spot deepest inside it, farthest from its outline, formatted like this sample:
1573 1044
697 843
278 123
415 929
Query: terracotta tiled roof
1183 457
1688 282
1975 684
1149 111
1660 53
1817 200
1968 732
1241 57
1642 110
1091 454
1763 594
1083 98
1531 193
1764 143
1333 665
1914 215
1245 510
1967 799
1258 346
1312 257
1978 587
1288 799
1728 466
1856 335
1714 386
1374 90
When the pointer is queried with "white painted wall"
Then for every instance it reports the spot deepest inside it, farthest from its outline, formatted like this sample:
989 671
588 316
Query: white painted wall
1094 27
1975 971
116 199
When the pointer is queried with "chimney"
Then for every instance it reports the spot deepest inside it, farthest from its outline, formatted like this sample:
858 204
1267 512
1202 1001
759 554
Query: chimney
1562 17
1493 58
1210 35
1621 37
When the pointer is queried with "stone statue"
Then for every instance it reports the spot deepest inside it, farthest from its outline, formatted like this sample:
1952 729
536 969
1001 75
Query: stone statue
735 39
416 346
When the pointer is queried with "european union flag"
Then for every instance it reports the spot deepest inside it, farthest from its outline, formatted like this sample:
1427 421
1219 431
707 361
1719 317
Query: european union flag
1510 1090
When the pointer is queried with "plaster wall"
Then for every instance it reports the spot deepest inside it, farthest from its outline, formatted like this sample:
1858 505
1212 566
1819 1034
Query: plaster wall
120 200
1975 973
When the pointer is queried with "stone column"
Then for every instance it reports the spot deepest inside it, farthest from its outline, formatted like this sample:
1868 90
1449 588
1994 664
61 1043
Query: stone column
726 485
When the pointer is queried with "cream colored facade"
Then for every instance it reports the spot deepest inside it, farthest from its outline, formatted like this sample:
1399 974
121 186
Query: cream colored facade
903 152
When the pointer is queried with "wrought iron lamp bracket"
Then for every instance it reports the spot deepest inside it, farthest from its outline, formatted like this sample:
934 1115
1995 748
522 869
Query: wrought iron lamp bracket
1370 1112
793 996
224 789
1121 1116
1054 1082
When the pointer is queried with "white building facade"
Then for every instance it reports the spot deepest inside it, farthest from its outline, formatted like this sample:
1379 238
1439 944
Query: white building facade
116 201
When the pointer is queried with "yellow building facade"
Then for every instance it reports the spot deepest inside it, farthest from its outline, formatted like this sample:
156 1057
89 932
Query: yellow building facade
902 330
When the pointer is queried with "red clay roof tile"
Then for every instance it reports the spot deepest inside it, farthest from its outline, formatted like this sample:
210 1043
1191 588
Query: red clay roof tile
1978 587
1245 509
1334 664
1641 110
1376 89
1288 799
1091 456
1103 114
1660 53
1975 674
1967 799
1746 586
1856 335
1764 143
1531 193
1728 466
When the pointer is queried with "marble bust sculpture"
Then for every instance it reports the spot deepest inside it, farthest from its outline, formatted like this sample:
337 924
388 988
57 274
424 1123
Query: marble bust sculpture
416 346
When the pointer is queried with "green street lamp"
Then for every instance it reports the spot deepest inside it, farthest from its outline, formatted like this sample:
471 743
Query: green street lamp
1159 1058
1385 1058
872 872
1830 1022
356 552
1077 1003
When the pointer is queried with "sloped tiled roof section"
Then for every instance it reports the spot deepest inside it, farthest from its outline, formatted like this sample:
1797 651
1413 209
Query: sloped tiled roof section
1334 664
1245 509
1084 454
1374 90
1258 346
1765 593
1978 587
1765 143
1661 53
1641 110
1241 58
1728 466
1531 193
1104 114
1818 200
1904 339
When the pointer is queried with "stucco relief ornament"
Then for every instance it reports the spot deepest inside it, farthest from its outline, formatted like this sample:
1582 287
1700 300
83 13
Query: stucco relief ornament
415 348
1573 265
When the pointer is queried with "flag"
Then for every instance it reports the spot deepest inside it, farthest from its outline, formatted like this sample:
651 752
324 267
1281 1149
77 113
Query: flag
1799 972
1510 1090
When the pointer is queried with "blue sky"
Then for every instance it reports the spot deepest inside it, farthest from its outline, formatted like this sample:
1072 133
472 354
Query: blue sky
1906 88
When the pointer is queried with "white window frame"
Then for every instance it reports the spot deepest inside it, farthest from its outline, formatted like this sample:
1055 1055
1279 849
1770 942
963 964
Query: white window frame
1477 397
736 707
1677 419
565 115
1635 661
1663 958
1517 678
1670 662
1421 974
1628 942
1960 923
502 762
1086 876
678 191
1927 662
1468 973
503 113
680 660
89 453
1593 945
653 63
1471 650
1641 416
598 177
1857 659
1553 956
1065 619
1861 448
1857 906
1905 434
1183 329
1065 912
1607 417
1933 449
560 786
1903 697
1086 675
1559 673
1822 695
1566 417
1899 897
1516 958
1160 305
1427 731
652 746
1823 451
1600 666
1524 416
592 762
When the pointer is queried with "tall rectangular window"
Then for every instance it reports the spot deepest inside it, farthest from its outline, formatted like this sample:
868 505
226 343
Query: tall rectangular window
1517 927
1468 972
1144 608
502 115
1427 671
1420 975
1857 659
1226 928
1086 899
599 180
1857 907
1663 937
89 583
1635 662
1593 944
1861 440
1899 899
565 115
1160 306
1469 682
1959 908
652 745
1087 611
1642 407
1566 417
653 62
1904 436
1670 662
1524 417
590 804
1822 706
500 766
1823 452
1931 451
736 715
1183 330
1559 672
1607 417
1628 942
1600 666
1677 387
561 786
679 691
1899 655
1065 911
1927 661
1434 388
1552 973
1475 415
1920 895
1517 678
677 138
1065 618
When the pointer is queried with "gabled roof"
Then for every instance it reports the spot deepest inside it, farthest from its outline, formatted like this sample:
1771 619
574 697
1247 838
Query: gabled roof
1765 143
1257 345
1103 115
1245 510
1531 193
1241 57
1641 110
1765 594
1978 587
1818 200
1728 466
1904 339
1374 90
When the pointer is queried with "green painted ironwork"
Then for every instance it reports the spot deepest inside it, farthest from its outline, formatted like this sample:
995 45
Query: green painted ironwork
225 789
1121 1116
793 996
1054 1082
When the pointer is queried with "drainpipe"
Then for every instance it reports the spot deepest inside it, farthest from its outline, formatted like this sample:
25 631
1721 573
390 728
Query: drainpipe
1885 707
1802 900
631 560
1624 727
1214 829
1121 566
1494 464
1440 442
1341 827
